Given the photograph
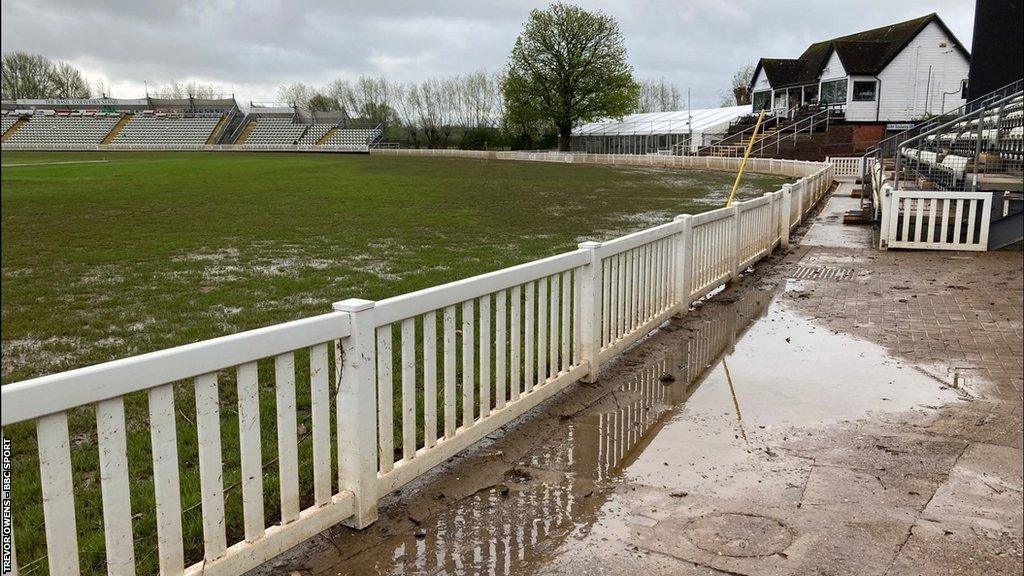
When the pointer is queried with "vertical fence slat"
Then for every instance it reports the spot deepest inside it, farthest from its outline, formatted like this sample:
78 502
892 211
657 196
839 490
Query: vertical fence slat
528 344
117 507
485 356
408 388
287 439
515 312
211 466
468 365
554 324
320 414
932 213
944 223
166 484
429 379
918 220
249 443
449 372
566 327
959 219
542 331
972 211
500 351
604 295
385 399
54 447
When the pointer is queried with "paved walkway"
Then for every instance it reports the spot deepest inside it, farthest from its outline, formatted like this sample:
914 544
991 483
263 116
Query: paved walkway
840 410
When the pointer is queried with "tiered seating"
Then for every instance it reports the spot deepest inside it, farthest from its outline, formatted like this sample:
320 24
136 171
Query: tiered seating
166 131
275 131
352 137
315 133
994 136
63 129
9 120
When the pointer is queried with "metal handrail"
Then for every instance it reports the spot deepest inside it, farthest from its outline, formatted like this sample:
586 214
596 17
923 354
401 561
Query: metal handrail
812 121
877 152
775 116
980 111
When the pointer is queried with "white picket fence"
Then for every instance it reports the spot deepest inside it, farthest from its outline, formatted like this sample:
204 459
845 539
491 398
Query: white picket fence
847 167
948 220
488 348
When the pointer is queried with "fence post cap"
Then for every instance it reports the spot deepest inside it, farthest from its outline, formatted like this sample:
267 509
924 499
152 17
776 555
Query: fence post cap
589 245
682 217
353 305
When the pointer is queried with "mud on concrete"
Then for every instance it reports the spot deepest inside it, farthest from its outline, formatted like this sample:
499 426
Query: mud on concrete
801 422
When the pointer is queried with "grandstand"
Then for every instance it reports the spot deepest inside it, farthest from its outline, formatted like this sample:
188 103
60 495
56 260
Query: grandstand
146 130
274 131
159 124
62 129
316 133
353 137
973 149
8 121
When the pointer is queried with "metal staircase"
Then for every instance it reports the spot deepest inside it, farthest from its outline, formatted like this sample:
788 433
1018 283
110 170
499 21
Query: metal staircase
780 127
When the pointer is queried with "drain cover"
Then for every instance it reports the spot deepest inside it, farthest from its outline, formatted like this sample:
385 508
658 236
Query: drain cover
822 273
739 535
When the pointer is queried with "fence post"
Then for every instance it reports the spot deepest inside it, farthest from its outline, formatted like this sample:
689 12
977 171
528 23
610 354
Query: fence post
357 411
736 240
885 199
787 207
590 310
684 263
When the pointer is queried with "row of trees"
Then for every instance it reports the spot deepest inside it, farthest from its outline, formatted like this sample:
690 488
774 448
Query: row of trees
567 67
465 110
34 76
24 75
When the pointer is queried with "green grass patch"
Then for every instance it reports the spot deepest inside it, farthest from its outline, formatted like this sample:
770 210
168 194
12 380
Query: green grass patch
151 250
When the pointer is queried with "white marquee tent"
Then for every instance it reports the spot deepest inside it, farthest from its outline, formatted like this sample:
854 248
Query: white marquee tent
651 132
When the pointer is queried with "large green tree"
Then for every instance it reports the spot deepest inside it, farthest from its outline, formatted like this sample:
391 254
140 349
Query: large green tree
568 66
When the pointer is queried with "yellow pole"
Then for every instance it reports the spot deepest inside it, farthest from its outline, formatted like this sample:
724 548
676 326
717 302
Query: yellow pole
750 146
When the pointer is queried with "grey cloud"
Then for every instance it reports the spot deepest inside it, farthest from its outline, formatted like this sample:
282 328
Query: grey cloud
256 46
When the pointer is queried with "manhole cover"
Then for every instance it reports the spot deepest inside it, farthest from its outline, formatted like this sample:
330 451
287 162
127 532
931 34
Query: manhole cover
822 273
739 535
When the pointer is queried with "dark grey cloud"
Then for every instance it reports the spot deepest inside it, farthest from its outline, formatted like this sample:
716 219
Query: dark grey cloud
254 46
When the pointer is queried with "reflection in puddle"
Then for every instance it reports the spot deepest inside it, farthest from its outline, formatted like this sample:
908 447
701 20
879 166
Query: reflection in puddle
698 417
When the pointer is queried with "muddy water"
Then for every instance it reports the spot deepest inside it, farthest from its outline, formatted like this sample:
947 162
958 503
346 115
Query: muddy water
699 417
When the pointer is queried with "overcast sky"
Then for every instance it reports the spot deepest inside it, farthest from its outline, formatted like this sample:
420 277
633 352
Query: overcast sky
252 47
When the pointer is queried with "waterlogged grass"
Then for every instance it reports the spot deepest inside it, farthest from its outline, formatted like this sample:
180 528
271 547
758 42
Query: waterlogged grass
150 250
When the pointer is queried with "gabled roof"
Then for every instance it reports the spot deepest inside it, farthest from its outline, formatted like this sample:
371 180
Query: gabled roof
865 53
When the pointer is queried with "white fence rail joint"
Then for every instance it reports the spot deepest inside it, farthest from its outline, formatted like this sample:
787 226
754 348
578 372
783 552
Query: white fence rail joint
416 378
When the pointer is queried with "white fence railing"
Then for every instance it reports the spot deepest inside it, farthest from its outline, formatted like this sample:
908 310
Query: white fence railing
847 167
935 220
435 370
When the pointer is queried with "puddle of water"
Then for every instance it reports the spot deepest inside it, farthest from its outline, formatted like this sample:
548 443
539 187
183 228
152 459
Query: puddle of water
700 416
786 372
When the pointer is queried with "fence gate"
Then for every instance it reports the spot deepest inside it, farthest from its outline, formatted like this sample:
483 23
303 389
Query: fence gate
936 220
